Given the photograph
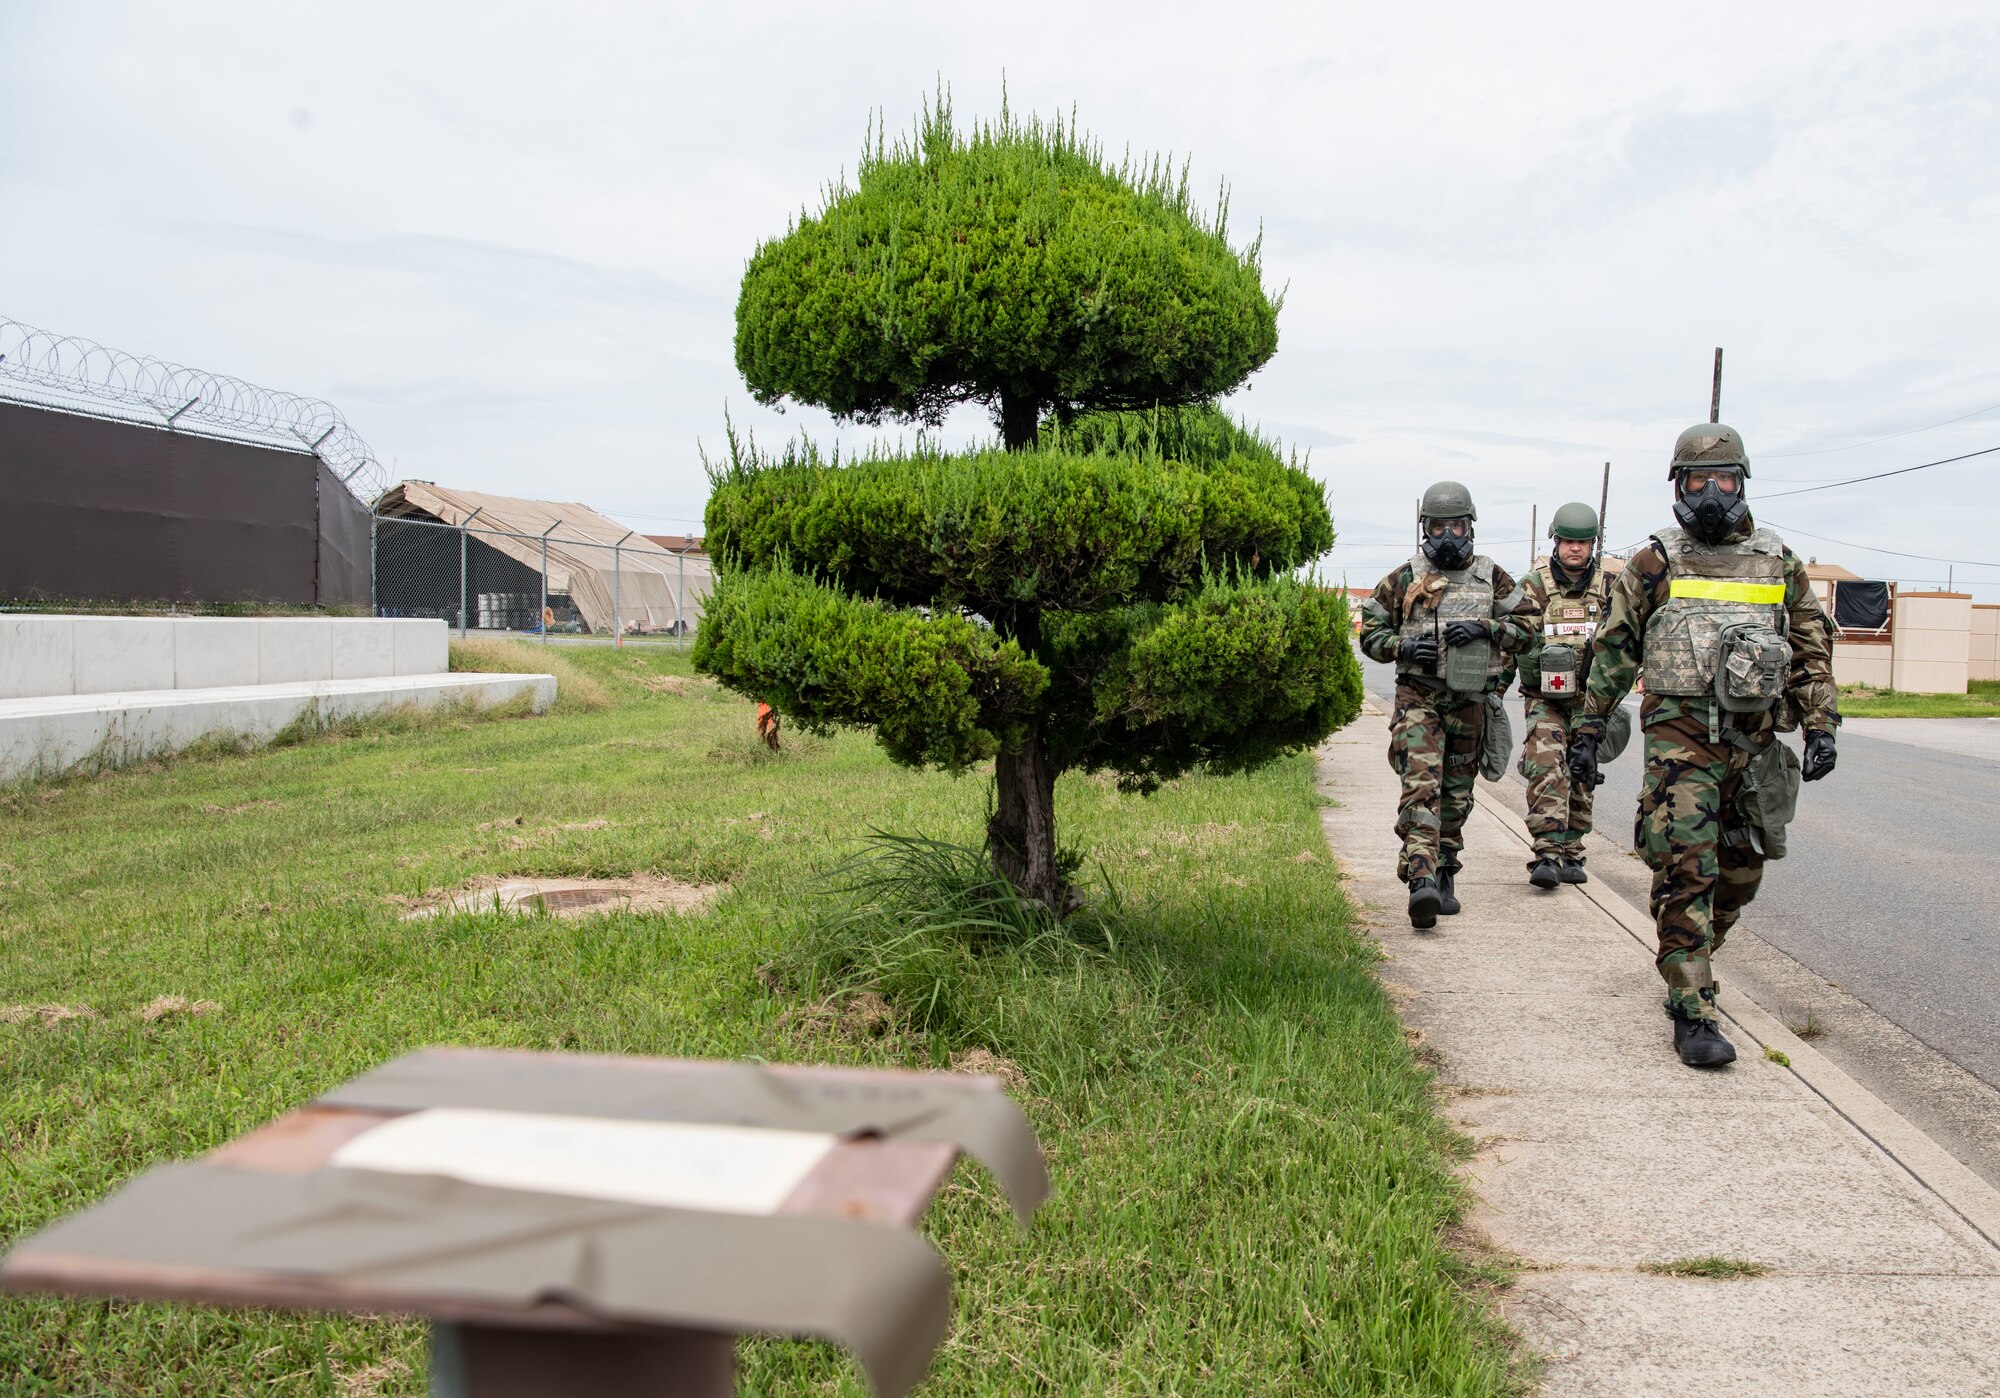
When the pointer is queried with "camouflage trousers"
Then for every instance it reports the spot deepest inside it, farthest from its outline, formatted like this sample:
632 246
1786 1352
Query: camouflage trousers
1434 747
1558 809
1695 840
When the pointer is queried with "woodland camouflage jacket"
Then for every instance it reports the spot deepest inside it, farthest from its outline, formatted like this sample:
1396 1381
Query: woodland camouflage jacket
1617 653
1383 613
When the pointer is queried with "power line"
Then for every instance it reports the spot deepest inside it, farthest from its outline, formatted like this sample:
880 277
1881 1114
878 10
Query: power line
1873 441
1894 553
1902 471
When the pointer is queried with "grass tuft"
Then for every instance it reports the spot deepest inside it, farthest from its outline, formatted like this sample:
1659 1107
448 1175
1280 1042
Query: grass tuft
577 690
1778 1056
1806 1023
1713 1268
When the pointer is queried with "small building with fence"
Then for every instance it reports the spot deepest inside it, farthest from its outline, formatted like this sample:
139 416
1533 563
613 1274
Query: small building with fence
500 563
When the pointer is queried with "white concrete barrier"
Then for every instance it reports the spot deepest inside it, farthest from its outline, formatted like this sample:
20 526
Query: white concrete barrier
83 693
54 735
62 654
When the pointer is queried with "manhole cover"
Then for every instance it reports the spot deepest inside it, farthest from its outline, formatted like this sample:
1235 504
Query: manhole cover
579 900
567 898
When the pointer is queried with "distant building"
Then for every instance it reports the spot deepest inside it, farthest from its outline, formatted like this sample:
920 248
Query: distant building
590 571
689 544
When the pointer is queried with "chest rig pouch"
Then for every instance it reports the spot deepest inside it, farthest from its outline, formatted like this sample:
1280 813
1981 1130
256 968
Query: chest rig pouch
1750 671
1436 600
1569 621
1721 632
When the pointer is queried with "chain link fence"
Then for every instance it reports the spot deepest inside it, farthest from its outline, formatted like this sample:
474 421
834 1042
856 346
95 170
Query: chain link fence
553 585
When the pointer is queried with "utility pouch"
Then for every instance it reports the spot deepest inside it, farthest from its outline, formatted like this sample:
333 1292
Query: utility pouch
1617 734
1496 740
1769 797
1463 668
1750 667
1562 670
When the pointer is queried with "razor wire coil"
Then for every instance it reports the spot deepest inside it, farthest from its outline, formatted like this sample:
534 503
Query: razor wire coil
78 375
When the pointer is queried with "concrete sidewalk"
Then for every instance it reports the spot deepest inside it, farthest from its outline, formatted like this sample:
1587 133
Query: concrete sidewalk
1598 1152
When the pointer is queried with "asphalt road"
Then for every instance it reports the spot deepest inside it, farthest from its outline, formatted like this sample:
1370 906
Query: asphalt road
1890 896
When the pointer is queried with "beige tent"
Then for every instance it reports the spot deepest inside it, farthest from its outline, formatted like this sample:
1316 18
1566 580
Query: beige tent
653 589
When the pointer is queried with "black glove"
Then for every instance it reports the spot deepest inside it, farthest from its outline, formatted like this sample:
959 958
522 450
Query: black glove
1819 755
1464 633
1583 759
1418 653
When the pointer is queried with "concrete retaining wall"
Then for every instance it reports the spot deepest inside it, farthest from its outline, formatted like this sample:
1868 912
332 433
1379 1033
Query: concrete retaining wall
1933 642
1862 662
1983 663
49 655
55 735
85 693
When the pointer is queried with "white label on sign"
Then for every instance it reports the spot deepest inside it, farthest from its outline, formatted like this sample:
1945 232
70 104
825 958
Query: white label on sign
721 1169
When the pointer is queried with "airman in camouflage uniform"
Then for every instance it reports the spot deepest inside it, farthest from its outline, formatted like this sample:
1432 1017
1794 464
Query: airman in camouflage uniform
1447 619
1569 594
1722 616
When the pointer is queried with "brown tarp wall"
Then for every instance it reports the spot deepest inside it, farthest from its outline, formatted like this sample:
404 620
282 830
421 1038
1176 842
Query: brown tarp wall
92 509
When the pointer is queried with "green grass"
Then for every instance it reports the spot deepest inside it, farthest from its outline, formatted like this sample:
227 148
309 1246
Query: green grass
1778 1056
1713 1268
1981 700
1253 1192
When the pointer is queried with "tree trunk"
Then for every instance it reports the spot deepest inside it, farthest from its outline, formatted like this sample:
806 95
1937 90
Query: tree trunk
1021 836
1018 420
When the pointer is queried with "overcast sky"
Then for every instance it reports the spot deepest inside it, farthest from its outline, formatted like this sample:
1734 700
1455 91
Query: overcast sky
505 239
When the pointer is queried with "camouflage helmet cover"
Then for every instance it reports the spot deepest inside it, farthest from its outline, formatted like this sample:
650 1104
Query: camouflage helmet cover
1709 444
1575 520
1448 500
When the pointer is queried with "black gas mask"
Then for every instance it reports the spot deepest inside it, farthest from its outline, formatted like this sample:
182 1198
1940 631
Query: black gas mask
1448 543
1709 503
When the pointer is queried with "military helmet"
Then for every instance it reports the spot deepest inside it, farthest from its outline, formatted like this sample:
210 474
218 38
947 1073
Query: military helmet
1575 520
1709 444
1448 500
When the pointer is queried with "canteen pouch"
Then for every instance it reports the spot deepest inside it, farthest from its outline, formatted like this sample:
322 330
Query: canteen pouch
1561 670
1496 740
1769 798
1750 667
1617 734
1463 668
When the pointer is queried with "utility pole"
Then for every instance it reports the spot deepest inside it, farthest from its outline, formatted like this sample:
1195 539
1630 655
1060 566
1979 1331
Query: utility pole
1603 503
1715 393
1534 517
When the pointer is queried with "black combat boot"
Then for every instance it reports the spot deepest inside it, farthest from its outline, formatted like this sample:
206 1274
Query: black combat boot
1546 873
1424 900
1572 872
1448 903
1700 1044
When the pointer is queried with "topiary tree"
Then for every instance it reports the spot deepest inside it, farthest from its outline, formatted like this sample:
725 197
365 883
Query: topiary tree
1107 589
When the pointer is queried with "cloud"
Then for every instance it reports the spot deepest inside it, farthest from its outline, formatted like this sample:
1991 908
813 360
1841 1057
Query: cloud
510 251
